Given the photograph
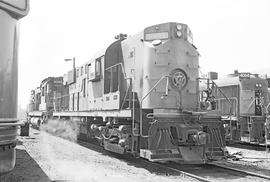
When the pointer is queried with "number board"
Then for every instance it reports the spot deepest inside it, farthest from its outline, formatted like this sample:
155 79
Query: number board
244 75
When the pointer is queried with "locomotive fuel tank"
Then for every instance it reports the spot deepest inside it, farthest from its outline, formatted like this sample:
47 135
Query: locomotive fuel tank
10 13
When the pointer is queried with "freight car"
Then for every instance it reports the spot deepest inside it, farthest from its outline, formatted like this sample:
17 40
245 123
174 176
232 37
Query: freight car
10 13
140 96
242 99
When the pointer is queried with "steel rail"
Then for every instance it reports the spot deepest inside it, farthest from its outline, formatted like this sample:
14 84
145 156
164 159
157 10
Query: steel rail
241 171
220 166
185 173
182 173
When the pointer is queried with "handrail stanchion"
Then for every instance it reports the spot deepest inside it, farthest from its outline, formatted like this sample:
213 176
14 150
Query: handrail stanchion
265 130
156 84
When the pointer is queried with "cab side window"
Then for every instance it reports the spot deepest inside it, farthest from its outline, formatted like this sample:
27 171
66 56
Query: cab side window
95 70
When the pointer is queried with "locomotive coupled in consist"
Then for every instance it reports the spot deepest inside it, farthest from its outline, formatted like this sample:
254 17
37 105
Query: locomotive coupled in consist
140 96
10 13
242 99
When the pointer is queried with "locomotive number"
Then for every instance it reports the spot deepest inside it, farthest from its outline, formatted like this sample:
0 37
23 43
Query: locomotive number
244 75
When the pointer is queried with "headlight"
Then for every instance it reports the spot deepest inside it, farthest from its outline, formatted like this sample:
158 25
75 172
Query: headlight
258 85
156 42
179 27
179 33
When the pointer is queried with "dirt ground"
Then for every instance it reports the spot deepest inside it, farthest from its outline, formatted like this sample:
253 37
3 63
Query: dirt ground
43 157
249 160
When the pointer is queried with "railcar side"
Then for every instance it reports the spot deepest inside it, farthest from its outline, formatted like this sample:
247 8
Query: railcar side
10 13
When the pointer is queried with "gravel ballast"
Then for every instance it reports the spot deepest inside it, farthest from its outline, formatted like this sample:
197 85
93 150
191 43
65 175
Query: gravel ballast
44 157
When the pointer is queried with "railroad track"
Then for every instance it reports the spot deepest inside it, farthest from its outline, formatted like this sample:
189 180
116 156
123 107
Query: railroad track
249 146
210 172
206 172
215 172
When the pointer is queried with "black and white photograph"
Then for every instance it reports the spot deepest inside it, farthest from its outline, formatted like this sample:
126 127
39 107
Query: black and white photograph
134 91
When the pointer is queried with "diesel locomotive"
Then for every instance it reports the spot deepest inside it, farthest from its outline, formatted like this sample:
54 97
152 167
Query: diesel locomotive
10 13
140 95
242 100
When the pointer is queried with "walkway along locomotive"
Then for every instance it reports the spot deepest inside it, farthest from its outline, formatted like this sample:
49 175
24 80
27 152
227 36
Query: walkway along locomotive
10 13
140 95
243 101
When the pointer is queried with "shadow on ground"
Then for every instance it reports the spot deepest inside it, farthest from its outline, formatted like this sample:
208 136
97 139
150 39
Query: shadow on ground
26 169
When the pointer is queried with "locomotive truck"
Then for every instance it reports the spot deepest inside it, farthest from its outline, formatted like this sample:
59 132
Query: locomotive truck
140 95
10 13
242 100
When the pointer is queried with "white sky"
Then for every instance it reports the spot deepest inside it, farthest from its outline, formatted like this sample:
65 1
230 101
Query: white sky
229 34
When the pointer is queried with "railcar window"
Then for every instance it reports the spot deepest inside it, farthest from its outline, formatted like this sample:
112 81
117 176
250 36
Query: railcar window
98 67
83 87
114 79
86 69
78 101
91 71
107 81
73 100
48 88
81 70
77 73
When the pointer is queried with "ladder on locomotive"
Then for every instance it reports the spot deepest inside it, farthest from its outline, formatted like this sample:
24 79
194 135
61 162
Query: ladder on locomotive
130 100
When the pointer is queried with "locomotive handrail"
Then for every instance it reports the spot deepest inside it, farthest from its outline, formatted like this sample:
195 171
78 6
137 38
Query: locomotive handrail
221 92
8 120
156 84
130 85
218 90
225 97
229 102
126 95
253 102
154 87
266 130
236 103
268 105
61 96
249 106
133 106
122 68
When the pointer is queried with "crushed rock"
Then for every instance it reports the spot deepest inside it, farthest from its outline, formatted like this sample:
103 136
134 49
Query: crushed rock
50 158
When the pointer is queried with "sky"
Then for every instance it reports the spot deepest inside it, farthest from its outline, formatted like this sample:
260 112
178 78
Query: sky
229 34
